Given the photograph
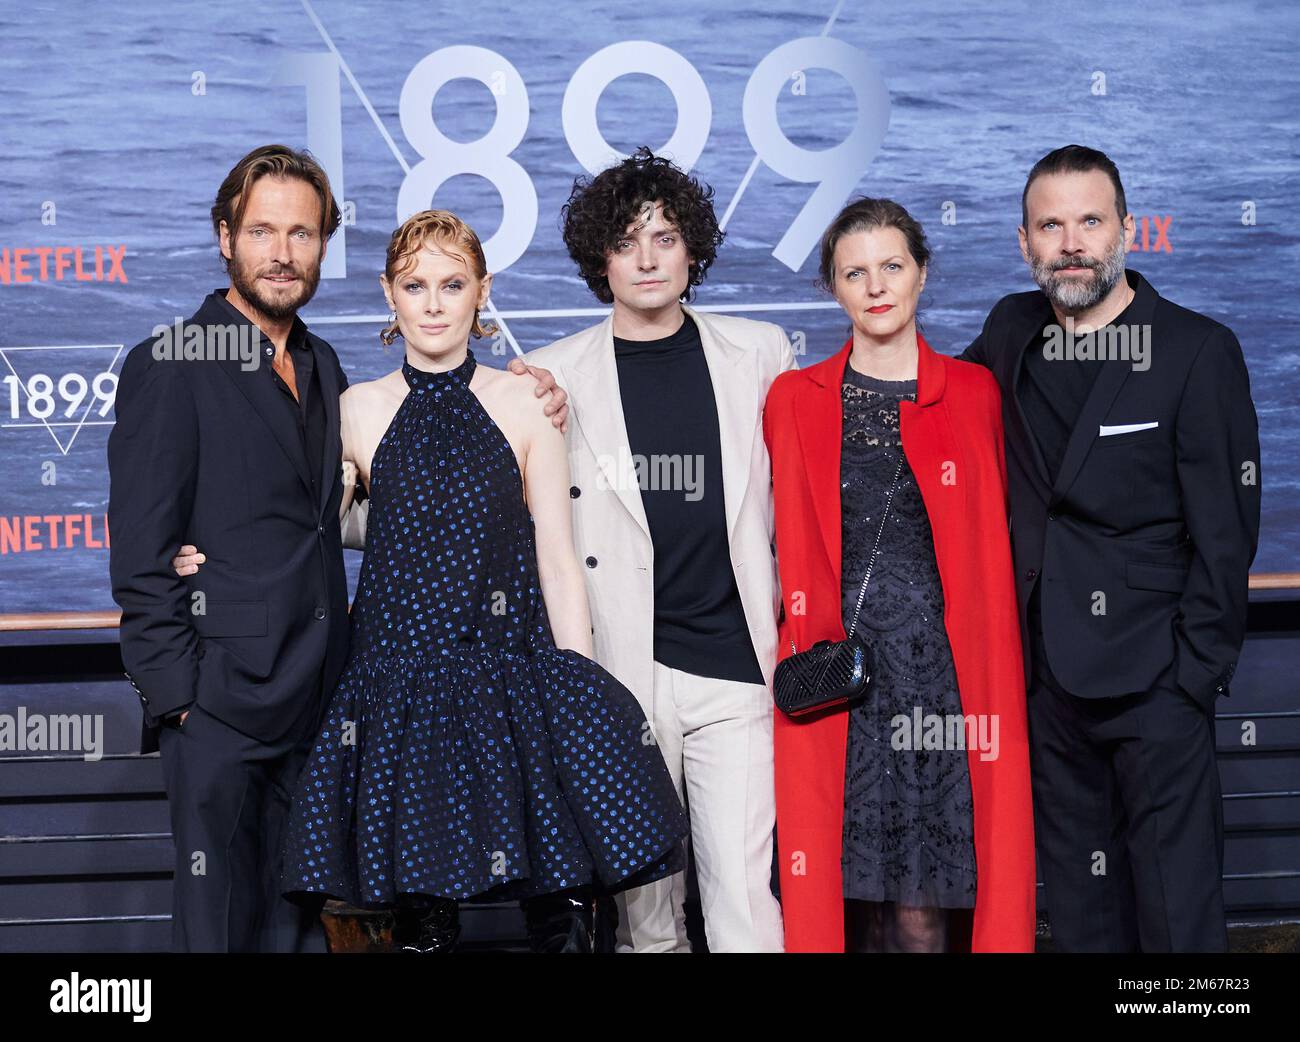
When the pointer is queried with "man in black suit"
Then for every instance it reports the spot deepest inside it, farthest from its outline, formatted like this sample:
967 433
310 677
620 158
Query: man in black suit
1133 461
227 435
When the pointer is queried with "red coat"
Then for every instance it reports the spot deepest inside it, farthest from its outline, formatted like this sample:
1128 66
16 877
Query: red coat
952 438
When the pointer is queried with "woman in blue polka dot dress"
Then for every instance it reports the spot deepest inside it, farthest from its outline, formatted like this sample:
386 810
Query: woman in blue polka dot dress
471 749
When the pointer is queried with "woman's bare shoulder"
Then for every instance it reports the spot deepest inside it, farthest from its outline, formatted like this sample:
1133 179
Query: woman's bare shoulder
371 395
514 395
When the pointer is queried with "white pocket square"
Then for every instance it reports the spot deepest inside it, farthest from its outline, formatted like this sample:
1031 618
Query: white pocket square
1125 428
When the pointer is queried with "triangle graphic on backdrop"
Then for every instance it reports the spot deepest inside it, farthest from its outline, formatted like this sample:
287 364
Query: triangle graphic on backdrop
6 352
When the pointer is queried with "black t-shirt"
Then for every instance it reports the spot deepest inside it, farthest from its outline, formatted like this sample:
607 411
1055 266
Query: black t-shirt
672 430
1052 391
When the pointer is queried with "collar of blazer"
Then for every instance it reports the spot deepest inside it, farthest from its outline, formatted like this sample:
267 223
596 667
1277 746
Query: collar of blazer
1028 320
597 405
266 398
931 375
819 421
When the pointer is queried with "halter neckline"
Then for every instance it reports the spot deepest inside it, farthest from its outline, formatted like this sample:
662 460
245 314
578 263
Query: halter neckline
422 379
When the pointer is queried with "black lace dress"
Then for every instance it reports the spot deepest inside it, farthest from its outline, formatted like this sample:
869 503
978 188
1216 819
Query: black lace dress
908 820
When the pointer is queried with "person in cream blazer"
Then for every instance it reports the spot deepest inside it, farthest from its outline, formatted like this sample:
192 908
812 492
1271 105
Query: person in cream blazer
716 735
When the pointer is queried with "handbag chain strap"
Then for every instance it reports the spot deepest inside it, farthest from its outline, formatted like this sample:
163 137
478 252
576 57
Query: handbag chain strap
875 549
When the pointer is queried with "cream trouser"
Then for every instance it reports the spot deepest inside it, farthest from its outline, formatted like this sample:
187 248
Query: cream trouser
716 738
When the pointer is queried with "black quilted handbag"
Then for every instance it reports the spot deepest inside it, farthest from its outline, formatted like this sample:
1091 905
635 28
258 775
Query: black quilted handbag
832 672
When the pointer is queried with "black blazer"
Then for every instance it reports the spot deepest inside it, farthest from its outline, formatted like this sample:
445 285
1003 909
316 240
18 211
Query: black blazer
205 452
1162 521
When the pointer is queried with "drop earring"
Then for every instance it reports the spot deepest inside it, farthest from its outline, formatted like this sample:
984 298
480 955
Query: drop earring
390 332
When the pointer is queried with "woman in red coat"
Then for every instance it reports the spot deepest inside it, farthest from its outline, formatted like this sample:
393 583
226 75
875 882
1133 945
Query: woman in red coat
899 815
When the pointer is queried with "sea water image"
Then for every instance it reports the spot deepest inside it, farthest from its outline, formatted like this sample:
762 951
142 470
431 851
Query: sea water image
120 121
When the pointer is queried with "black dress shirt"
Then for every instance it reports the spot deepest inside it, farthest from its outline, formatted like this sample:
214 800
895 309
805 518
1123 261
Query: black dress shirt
308 410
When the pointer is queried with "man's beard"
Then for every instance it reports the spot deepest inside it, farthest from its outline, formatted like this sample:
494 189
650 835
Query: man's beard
246 282
1073 295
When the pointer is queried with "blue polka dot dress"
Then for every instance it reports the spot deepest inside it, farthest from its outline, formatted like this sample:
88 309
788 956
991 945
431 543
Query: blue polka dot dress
463 755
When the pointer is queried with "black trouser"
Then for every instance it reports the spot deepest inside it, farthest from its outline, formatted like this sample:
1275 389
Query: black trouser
1129 819
229 799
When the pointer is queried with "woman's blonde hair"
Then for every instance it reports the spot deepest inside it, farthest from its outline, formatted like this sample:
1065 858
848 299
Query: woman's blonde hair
449 233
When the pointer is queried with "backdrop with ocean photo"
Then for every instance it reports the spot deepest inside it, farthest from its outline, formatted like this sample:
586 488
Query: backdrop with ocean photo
120 120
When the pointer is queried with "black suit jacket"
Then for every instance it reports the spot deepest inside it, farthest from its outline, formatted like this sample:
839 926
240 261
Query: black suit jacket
205 452
1143 543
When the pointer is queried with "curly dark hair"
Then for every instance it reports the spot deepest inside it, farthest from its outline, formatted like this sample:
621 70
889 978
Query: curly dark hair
600 208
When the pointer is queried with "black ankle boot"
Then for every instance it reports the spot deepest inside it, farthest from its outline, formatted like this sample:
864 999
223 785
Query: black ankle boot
426 925
560 922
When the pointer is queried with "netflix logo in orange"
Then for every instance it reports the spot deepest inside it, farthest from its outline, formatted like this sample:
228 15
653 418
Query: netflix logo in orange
28 533
1151 234
62 263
